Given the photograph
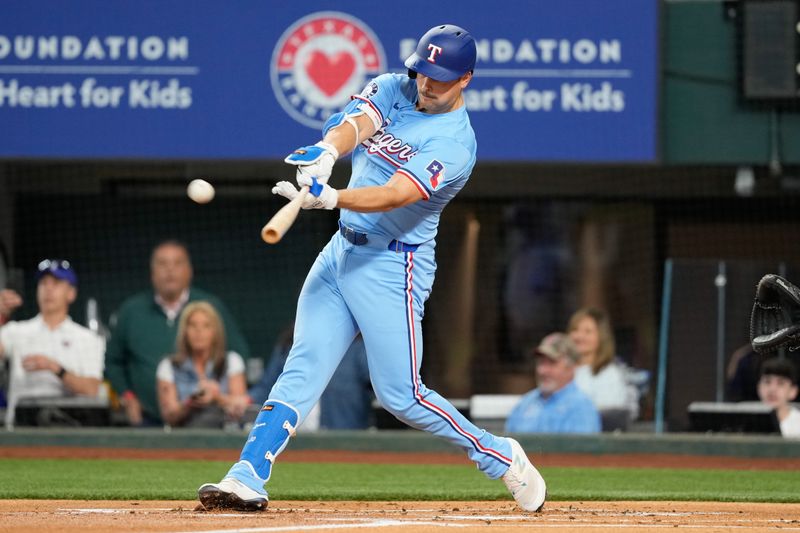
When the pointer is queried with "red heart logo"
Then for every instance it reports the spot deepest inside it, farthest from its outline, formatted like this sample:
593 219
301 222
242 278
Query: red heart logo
329 73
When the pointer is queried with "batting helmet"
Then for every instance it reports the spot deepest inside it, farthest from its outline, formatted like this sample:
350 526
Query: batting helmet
444 53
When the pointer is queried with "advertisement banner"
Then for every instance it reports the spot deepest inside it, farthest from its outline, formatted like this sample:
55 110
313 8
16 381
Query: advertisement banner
556 80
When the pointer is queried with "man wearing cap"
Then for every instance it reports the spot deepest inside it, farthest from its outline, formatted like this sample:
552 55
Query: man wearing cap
556 405
50 355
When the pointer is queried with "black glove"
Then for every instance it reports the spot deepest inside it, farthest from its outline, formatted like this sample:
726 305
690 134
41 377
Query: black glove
775 321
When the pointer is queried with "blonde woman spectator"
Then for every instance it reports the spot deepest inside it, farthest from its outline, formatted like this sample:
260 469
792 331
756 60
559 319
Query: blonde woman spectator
598 375
203 384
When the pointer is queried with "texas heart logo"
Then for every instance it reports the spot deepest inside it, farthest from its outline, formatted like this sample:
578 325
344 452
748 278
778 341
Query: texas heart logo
320 61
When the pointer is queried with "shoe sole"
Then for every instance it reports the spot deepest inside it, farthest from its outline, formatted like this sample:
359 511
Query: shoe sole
212 498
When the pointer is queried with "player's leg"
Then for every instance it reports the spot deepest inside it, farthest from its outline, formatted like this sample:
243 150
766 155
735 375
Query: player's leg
389 311
324 330
394 350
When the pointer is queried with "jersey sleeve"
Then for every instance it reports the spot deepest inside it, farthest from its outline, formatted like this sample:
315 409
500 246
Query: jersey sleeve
165 372
377 98
235 364
92 359
437 164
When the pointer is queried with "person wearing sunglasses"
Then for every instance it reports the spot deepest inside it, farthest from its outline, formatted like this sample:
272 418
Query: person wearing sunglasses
49 354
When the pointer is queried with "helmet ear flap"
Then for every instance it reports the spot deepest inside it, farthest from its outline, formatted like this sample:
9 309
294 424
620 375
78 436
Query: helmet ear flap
412 74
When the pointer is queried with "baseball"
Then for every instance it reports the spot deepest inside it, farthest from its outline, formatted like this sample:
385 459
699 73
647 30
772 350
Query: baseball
200 191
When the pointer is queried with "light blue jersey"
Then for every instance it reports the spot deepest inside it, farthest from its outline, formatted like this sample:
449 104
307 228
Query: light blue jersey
436 152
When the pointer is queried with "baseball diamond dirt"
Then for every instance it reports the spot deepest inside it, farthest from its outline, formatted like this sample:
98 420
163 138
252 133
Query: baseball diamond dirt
406 517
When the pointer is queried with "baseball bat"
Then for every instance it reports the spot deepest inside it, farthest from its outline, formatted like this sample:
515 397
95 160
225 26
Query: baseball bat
281 221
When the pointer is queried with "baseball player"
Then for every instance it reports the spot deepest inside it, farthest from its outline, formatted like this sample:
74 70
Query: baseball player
413 150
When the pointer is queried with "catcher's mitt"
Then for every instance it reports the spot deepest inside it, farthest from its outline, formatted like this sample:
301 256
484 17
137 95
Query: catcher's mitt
775 321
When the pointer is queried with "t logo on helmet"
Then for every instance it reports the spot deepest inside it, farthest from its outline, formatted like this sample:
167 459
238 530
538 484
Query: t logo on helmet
434 50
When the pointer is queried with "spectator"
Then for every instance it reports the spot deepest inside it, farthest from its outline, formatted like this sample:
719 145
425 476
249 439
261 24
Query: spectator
50 355
743 373
202 384
145 331
777 387
598 374
556 405
347 400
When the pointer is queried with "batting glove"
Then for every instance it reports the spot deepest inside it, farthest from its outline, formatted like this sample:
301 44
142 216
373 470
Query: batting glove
316 161
327 199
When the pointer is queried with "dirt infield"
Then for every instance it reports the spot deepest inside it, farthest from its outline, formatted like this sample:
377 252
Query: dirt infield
329 456
406 517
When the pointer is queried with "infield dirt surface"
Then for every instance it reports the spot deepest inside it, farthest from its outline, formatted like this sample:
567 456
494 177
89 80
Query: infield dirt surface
407 517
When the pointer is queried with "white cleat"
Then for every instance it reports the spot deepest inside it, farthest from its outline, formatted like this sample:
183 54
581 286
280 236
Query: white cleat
524 481
231 493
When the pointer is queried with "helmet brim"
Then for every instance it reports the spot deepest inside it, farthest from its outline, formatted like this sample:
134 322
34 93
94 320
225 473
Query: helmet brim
426 68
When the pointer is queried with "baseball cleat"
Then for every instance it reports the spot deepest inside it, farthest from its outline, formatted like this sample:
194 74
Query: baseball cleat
524 481
231 493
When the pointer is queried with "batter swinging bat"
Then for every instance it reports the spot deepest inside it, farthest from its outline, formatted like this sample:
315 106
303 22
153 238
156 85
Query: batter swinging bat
281 221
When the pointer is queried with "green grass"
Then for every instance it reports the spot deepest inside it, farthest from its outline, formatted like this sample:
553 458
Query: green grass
149 480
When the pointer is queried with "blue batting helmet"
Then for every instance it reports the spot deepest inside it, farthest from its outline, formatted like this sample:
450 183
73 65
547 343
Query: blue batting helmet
445 53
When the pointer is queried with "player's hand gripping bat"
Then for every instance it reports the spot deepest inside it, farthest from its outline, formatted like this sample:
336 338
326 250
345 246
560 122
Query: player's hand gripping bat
281 221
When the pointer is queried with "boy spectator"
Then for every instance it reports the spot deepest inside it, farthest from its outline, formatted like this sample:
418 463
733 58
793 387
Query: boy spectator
777 387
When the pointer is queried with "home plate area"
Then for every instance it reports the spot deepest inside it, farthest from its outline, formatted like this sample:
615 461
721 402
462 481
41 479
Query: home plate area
181 516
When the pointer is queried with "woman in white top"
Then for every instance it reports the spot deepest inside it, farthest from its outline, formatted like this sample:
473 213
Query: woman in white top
598 375
202 385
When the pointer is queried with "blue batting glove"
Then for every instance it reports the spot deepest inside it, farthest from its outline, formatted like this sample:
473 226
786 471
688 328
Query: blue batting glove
313 184
316 160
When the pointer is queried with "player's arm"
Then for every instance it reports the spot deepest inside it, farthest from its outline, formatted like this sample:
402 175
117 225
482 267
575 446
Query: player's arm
399 191
350 132
340 135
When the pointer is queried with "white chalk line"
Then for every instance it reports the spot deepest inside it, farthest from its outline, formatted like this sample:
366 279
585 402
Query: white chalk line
148 510
480 520
448 520
714 527
367 524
